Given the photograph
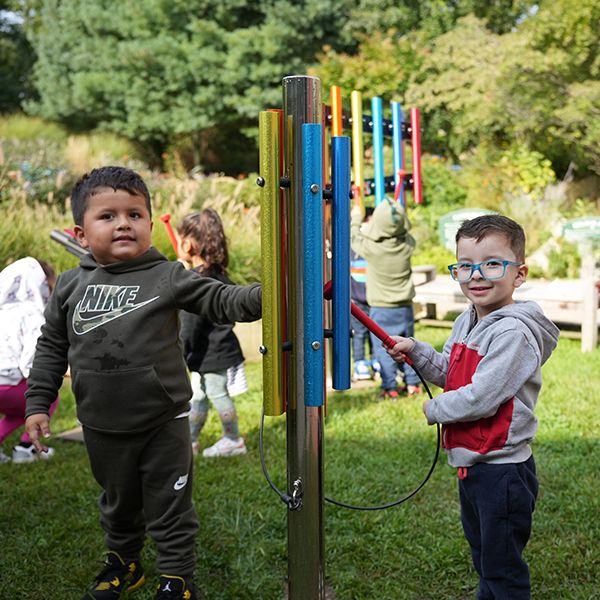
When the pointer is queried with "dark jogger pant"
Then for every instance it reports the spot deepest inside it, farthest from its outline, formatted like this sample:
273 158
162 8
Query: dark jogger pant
497 502
147 488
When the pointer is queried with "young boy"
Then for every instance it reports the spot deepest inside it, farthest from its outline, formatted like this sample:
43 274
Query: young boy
490 370
387 246
114 321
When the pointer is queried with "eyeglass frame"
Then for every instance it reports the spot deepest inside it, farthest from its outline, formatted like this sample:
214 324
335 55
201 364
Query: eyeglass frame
477 267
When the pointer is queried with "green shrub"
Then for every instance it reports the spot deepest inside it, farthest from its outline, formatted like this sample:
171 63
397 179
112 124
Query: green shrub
25 231
82 153
30 174
21 127
442 186
564 262
435 255
490 175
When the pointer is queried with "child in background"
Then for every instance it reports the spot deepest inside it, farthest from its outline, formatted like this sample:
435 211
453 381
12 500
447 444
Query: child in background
387 246
490 370
25 287
115 318
358 294
210 349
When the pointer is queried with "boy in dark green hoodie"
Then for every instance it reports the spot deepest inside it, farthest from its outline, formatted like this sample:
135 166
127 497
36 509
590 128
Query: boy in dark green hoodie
115 321
387 246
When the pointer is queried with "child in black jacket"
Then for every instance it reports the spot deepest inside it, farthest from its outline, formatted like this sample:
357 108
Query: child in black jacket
210 349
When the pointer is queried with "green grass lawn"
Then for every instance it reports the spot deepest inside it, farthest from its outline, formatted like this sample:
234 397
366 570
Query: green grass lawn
51 544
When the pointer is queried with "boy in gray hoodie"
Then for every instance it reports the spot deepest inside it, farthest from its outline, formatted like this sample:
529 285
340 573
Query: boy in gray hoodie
490 371
115 321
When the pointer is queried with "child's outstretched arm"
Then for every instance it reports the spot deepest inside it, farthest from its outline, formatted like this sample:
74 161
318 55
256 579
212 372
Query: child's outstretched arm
38 426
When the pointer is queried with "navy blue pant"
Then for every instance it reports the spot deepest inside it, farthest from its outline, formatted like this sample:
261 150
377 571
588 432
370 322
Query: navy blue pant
395 321
497 503
360 334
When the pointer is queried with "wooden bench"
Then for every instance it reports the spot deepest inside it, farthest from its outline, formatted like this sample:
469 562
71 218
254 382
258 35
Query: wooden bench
564 301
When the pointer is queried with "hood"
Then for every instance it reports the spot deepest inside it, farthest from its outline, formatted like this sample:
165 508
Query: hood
544 331
149 259
24 281
389 220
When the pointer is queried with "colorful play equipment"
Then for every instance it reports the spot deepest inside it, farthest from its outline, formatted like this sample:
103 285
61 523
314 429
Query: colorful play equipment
397 129
299 192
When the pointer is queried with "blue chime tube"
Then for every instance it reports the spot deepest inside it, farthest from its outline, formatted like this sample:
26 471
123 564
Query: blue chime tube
312 246
379 178
340 182
397 147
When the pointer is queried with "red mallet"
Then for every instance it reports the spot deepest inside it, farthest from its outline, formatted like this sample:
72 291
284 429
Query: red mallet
365 320
166 219
401 176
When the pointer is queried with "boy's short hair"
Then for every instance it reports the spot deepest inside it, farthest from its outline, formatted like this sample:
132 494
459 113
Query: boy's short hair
117 178
483 225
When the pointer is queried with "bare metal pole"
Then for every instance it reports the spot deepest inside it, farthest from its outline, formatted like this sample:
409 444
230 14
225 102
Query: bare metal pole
306 575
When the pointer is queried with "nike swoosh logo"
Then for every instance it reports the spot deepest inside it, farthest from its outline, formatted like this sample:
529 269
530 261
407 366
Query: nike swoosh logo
82 325
180 483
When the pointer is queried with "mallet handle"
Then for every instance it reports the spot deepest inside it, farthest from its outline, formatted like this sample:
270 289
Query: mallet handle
365 320
166 219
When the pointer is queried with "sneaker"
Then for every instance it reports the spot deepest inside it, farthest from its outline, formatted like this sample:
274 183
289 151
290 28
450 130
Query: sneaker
376 366
362 371
413 390
226 447
172 587
389 395
28 454
4 459
116 577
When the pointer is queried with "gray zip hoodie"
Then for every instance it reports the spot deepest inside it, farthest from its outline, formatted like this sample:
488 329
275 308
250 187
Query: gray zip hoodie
490 371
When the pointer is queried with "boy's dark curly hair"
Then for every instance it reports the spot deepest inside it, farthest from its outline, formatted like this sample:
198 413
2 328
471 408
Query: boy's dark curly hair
205 231
117 178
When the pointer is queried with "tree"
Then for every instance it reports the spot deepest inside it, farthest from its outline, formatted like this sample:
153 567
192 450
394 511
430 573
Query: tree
16 60
565 37
156 71
432 17
536 86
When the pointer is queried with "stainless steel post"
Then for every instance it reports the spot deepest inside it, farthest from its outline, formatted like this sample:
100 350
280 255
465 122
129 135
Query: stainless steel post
306 575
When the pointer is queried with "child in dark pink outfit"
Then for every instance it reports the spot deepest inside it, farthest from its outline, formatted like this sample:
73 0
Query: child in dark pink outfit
25 287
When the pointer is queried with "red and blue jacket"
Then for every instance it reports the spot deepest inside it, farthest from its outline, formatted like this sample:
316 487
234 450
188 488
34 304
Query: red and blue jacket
490 371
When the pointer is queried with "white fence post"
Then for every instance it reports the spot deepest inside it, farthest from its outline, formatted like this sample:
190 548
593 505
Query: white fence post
589 320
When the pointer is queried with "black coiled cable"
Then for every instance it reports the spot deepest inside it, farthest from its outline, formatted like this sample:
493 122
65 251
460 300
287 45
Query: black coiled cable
294 503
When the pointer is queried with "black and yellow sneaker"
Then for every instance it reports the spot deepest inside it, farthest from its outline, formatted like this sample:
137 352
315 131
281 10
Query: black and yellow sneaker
117 577
172 587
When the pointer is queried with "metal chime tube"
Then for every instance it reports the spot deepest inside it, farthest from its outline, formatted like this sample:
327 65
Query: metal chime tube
397 146
271 257
306 579
379 177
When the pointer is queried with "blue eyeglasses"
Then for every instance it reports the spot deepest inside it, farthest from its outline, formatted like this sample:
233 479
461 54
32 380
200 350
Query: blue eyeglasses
489 269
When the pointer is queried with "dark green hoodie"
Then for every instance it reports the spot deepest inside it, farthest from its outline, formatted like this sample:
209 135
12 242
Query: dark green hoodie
117 327
386 245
